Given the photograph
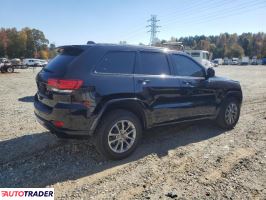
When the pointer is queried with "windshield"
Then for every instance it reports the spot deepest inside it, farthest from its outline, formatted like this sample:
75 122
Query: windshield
195 54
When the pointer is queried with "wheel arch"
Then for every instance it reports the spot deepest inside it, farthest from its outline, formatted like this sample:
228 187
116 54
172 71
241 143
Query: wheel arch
132 105
234 94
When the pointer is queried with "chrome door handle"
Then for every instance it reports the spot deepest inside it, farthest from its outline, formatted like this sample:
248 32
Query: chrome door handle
187 83
143 81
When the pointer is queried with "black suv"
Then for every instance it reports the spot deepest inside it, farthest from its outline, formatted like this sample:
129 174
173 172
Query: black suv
113 92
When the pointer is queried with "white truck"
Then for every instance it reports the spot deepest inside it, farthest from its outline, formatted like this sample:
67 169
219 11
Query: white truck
203 57
244 60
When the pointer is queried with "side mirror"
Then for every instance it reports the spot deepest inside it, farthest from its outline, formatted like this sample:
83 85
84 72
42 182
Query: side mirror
210 72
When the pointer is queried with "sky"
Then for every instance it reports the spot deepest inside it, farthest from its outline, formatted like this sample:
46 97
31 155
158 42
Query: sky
110 21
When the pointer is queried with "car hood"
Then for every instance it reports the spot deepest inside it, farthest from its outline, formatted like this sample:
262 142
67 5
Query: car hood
221 78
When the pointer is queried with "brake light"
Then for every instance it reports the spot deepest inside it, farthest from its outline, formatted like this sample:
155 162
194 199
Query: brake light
58 124
65 84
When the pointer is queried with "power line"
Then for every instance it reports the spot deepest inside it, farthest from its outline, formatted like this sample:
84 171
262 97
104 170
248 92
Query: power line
215 14
232 14
222 12
153 28
186 11
199 5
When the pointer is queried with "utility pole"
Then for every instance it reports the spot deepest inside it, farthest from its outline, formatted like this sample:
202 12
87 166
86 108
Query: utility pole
153 29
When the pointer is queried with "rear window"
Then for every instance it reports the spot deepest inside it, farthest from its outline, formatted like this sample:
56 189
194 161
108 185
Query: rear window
121 62
60 63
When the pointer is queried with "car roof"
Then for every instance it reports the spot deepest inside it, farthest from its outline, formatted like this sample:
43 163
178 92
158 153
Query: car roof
196 51
125 47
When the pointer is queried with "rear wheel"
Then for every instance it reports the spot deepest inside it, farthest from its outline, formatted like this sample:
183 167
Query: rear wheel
10 69
118 134
229 114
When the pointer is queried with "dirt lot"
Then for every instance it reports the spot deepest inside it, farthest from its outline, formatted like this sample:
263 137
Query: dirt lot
192 161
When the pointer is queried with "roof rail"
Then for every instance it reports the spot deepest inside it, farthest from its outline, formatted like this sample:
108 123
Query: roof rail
173 45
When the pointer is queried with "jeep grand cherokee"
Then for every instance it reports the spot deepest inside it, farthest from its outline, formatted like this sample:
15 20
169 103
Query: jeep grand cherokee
113 92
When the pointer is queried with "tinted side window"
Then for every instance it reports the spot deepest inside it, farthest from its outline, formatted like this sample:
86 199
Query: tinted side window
186 67
117 62
153 63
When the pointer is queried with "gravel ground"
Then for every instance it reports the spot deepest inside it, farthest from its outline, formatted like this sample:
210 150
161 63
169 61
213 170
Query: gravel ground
191 161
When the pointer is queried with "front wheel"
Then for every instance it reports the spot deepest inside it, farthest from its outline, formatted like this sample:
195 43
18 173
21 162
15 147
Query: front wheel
118 134
229 114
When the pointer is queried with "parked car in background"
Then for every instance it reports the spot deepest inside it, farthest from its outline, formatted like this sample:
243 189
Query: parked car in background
6 66
235 61
244 60
3 60
113 92
32 62
254 61
218 61
203 57
226 61
43 63
15 61
214 64
263 61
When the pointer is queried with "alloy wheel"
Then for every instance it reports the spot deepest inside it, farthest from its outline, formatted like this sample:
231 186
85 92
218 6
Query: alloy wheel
122 136
231 113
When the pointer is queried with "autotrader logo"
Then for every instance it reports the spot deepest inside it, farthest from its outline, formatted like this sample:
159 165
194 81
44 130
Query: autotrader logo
27 193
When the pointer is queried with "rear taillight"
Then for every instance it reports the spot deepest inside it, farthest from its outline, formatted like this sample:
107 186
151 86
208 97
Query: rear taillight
62 84
58 124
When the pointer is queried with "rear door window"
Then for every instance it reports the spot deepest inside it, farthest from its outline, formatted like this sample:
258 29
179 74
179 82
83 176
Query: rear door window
117 62
153 63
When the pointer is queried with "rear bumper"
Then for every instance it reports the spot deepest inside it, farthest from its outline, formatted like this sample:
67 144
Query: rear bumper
61 131
77 118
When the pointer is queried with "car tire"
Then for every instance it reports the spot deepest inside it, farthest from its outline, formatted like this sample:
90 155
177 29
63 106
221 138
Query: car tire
118 134
10 69
229 114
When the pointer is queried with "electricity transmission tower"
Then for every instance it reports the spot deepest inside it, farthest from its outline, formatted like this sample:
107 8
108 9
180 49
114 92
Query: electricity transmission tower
153 28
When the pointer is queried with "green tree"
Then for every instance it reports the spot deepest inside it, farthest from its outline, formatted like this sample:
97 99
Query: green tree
3 43
204 45
30 47
235 51
39 40
263 50
13 42
52 50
